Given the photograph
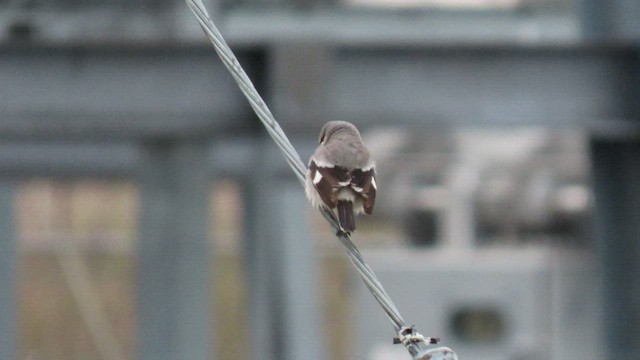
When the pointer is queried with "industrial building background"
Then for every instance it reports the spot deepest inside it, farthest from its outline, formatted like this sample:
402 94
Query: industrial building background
145 214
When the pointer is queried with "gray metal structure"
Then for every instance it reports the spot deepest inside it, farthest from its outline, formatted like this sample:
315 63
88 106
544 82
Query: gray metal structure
559 290
8 273
137 93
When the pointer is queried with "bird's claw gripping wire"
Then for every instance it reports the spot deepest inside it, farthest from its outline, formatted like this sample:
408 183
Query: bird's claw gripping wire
408 335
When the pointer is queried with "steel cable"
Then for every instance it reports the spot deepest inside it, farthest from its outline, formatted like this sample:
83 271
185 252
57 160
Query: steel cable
416 344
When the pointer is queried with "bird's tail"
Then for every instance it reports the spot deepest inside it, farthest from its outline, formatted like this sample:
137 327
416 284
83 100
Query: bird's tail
345 216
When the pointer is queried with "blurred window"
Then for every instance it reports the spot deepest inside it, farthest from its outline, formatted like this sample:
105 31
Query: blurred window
478 325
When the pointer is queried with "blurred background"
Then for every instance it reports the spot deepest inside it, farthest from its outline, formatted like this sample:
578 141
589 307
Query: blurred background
145 214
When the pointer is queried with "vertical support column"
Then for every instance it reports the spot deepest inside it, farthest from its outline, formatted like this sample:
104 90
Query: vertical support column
8 273
284 313
616 170
616 176
173 253
302 324
259 237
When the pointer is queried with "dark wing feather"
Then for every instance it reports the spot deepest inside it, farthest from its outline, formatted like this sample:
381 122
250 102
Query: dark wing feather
364 183
328 182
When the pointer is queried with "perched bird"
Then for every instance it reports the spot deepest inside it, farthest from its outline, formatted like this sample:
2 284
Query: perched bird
341 174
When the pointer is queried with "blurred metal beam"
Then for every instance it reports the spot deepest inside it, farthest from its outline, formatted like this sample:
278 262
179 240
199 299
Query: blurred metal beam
283 310
174 253
398 28
482 86
227 157
260 303
8 271
104 125
616 171
260 232
325 24
69 159
296 262
118 92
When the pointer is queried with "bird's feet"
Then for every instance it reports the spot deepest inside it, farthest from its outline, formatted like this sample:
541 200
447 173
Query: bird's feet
343 232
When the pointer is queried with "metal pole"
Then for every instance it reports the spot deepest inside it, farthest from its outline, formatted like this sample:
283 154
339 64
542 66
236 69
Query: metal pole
284 313
616 172
8 273
296 259
173 269
257 243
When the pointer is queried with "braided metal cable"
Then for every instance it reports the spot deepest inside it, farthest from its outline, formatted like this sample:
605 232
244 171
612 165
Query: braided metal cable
419 348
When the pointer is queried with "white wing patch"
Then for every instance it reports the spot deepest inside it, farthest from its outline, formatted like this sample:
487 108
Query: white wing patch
373 183
317 177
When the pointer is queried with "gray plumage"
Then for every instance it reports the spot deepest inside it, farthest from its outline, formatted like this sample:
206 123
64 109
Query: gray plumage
341 173
341 145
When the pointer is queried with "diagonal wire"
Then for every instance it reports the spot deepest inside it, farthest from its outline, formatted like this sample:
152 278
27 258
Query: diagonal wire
293 159
285 146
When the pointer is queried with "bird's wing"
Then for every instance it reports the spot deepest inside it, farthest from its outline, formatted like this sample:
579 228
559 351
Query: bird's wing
364 182
327 180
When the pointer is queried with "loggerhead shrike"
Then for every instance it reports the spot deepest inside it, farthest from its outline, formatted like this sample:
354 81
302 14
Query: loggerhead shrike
342 174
